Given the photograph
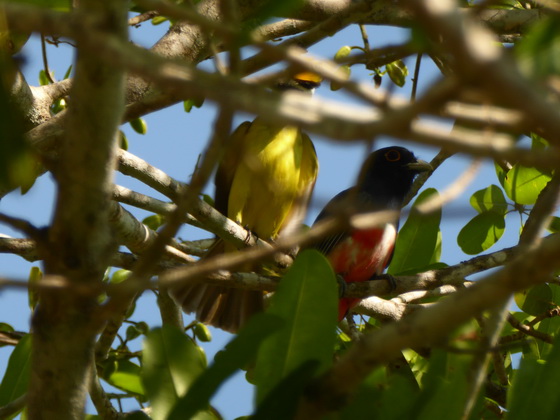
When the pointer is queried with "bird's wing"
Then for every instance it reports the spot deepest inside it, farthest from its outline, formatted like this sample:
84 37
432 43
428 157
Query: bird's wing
334 206
235 150
308 175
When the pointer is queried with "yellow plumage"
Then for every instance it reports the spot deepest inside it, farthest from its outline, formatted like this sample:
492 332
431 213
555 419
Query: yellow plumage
264 183
275 170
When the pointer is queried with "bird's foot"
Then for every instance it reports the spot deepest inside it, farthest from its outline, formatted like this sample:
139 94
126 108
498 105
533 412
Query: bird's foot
250 236
389 278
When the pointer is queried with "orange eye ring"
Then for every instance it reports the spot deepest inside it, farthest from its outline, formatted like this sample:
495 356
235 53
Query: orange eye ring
393 156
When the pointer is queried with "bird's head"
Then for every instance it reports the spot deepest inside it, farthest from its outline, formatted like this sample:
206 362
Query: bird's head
304 82
390 172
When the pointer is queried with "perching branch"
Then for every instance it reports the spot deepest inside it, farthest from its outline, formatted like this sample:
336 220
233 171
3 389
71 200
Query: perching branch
427 327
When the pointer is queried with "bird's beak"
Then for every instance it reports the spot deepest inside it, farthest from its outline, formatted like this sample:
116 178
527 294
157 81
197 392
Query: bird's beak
420 166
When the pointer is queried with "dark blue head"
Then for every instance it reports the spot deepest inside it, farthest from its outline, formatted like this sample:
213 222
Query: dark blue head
388 173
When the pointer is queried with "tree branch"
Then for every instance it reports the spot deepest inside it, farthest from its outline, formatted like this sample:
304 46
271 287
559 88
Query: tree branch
80 241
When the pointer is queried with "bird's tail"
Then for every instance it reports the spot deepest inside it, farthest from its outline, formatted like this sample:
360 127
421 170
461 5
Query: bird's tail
222 307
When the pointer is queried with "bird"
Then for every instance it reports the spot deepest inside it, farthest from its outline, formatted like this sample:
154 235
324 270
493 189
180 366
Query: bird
358 255
264 183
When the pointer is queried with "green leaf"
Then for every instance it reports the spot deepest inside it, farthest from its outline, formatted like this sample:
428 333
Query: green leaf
444 387
238 353
120 275
125 375
397 71
417 242
123 140
202 333
342 53
523 185
6 327
501 174
538 143
18 167
58 106
35 275
190 103
132 332
68 72
489 199
43 79
534 392
550 326
171 362
154 222
539 51
307 300
158 20
139 125
15 380
483 231
554 225
536 300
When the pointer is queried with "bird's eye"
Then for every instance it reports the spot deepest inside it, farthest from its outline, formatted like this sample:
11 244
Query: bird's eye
393 156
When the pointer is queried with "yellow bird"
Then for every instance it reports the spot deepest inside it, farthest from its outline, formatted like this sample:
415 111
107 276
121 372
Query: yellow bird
264 183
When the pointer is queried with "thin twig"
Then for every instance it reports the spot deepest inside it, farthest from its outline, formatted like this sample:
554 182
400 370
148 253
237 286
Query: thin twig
416 77
45 60
143 17
100 400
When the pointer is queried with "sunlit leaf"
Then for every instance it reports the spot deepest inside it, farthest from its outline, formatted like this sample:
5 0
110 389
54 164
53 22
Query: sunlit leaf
342 53
418 243
489 199
139 125
119 276
35 275
171 362
482 231
15 380
123 140
202 332
306 299
523 185
190 103
397 71
154 222
124 375
158 20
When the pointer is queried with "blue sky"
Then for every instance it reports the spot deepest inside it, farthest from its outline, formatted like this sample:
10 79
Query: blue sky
173 143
